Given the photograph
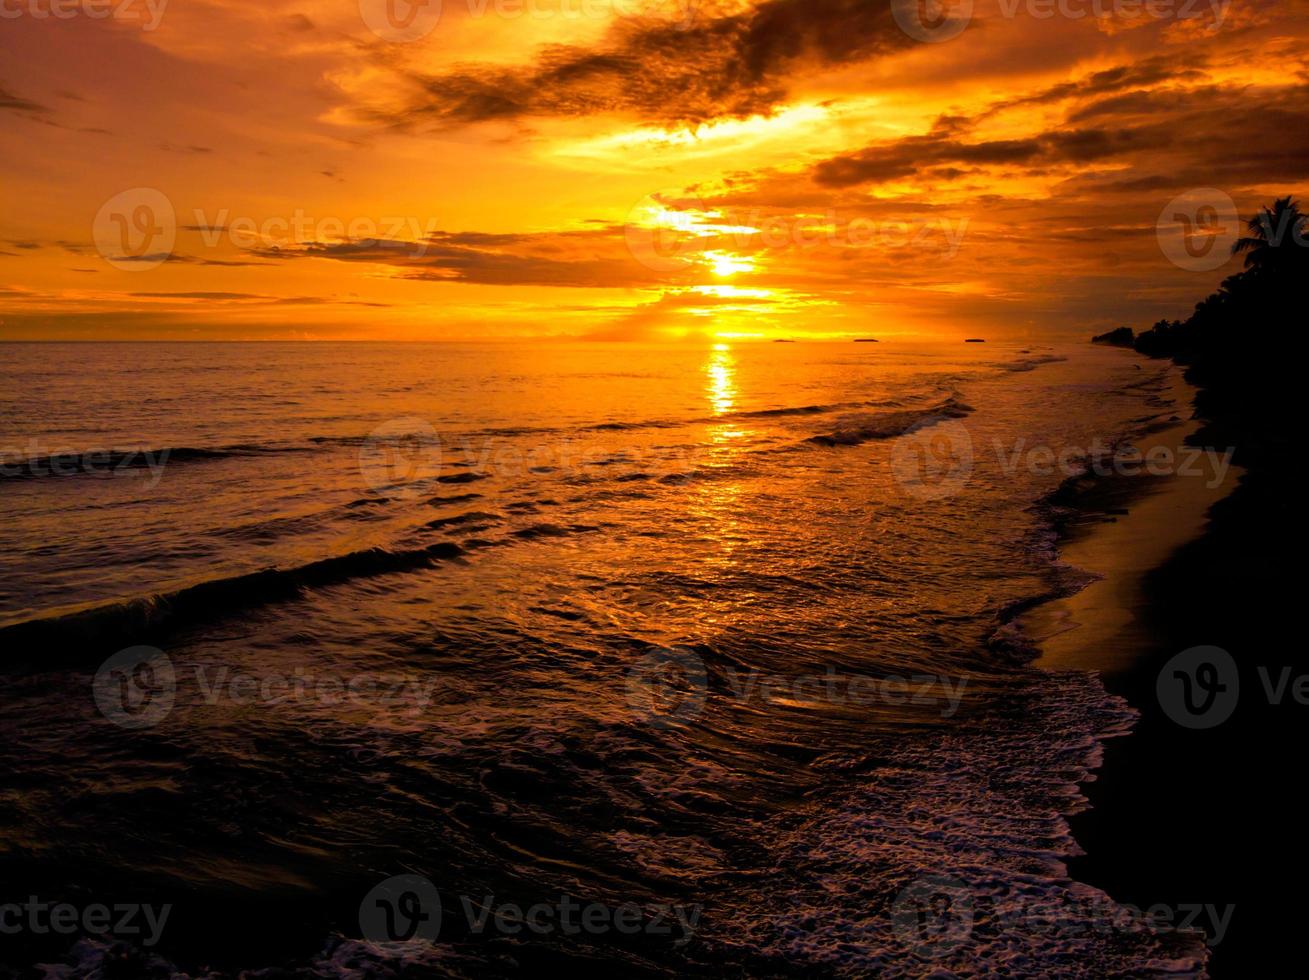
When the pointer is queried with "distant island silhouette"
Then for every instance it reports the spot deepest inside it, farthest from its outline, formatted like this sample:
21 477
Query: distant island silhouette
1121 337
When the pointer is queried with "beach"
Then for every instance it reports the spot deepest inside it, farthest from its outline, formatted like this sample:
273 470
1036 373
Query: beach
1181 817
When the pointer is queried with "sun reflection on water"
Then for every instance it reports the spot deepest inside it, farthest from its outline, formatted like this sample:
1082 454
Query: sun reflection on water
721 372
726 437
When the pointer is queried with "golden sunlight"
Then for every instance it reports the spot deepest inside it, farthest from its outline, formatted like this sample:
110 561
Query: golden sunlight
721 372
727 264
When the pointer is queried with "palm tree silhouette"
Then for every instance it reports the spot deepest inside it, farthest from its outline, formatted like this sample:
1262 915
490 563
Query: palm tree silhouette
1274 232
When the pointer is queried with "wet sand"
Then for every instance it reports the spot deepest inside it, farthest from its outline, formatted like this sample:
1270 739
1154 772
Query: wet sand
1128 526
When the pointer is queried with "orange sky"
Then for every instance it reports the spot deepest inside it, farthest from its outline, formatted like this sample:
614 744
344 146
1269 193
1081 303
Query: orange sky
626 169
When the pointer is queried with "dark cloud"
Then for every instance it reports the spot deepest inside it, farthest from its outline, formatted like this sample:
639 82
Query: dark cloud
196 260
1183 132
200 295
1143 75
905 158
594 258
671 73
15 103
147 324
256 298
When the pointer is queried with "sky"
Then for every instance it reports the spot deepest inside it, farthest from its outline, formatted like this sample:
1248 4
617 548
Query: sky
633 169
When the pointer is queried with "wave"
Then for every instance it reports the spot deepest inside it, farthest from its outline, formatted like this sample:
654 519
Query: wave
535 531
93 461
89 632
857 429
933 826
475 517
107 460
459 498
1032 363
458 478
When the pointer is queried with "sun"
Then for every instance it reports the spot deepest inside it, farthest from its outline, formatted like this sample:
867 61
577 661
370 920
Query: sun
726 264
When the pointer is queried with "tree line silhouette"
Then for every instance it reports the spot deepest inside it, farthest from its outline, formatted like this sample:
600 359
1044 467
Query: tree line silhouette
1234 343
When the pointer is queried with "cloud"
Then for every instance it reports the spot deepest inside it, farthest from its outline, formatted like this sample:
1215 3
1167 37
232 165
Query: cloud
733 65
15 103
1178 130
255 298
592 258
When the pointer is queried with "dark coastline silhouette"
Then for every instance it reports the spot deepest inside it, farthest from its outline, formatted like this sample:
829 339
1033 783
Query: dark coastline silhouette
1212 816
1232 345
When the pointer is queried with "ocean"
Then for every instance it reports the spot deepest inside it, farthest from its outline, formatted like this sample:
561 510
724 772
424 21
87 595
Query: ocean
479 659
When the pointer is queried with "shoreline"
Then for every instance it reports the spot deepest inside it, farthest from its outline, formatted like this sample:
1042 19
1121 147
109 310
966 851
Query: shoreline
1117 529
1175 816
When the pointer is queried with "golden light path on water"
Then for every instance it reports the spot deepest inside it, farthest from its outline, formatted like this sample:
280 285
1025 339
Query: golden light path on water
720 500
721 391
721 372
